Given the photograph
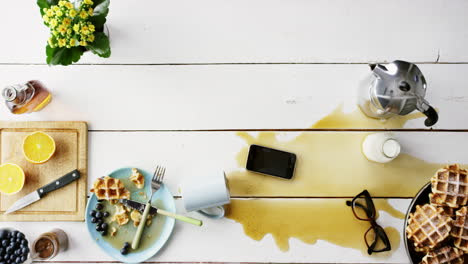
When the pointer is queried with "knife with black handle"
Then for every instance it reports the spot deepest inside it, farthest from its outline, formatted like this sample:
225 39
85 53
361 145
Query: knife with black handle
41 192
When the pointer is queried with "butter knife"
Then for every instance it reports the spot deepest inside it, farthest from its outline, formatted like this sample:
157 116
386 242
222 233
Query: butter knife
153 210
41 192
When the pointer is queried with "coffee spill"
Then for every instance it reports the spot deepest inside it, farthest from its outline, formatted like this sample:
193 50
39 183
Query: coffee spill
357 119
307 220
328 164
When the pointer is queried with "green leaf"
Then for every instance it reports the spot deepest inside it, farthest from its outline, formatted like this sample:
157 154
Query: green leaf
100 46
101 9
46 4
63 56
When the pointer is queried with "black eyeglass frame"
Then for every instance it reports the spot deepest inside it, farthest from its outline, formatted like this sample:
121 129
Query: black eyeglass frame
371 213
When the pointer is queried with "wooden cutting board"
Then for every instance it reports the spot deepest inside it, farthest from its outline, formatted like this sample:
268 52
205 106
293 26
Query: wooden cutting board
65 204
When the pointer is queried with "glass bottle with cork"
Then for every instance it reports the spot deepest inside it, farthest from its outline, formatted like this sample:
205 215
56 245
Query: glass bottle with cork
26 98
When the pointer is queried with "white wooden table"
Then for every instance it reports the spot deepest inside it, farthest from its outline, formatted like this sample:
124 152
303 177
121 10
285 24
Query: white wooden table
184 75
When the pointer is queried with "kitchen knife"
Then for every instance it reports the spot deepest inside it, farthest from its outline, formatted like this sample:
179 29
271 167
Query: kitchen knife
153 210
41 192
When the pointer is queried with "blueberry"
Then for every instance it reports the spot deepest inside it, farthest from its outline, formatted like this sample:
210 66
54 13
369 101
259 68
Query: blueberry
17 252
3 234
2 262
24 242
99 222
93 220
6 257
126 245
98 228
23 259
12 257
14 233
5 243
93 213
104 226
106 214
104 232
124 251
9 250
25 250
98 215
18 260
18 240
2 250
99 206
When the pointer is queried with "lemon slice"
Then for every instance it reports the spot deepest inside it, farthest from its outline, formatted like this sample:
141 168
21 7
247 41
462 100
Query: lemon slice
38 147
11 178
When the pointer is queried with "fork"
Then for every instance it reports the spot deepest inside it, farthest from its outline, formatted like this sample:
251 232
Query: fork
156 183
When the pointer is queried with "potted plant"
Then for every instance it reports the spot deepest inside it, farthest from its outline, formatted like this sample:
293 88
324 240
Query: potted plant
75 27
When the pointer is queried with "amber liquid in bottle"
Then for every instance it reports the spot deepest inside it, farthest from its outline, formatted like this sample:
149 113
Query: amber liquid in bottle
26 98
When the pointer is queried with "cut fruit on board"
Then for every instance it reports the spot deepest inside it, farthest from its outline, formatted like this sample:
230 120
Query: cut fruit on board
38 147
11 178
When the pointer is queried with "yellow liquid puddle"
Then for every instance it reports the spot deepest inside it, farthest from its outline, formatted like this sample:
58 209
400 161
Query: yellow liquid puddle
329 164
307 220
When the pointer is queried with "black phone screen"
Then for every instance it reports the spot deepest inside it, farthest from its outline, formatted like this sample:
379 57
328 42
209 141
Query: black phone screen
271 161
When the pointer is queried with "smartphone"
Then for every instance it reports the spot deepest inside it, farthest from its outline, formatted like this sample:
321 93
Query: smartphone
271 162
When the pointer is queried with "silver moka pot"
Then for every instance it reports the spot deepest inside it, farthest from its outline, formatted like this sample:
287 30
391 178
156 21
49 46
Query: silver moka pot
397 88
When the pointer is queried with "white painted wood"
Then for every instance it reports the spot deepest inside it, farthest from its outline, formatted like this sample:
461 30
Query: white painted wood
185 152
210 31
221 241
219 97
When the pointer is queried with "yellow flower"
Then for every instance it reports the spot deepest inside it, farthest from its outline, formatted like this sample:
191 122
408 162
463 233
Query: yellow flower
91 38
50 12
46 18
62 3
83 14
66 21
83 43
53 23
90 11
55 8
50 41
76 28
55 32
84 30
72 42
62 29
69 31
72 13
61 42
59 13
88 2
91 27
69 5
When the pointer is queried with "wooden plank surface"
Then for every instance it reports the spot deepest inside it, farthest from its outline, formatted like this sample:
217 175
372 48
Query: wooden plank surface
224 241
261 31
65 204
223 97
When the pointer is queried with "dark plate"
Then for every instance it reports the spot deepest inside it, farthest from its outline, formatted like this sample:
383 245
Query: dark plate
421 198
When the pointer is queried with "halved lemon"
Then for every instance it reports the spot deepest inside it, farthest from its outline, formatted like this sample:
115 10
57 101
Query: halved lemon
11 178
38 147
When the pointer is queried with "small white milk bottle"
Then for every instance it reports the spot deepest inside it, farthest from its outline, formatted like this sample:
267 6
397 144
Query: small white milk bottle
380 147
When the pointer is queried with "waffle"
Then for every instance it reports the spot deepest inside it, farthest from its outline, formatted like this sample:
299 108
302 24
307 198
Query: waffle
459 231
428 226
120 216
137 178
450 211
108 188
450 186
444 255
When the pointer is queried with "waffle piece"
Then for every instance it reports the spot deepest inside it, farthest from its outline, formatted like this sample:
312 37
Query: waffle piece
108 188
450 186
428 226
444 255
120 216
450 211
137 178
459 231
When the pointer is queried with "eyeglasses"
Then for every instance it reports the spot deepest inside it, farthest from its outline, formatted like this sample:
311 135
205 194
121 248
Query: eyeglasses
364 209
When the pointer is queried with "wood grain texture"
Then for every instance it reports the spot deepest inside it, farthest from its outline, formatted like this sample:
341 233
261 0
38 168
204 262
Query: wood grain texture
221 97
65 204
260 31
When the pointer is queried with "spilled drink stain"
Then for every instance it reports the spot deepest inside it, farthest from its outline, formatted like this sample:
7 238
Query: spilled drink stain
308 220
329 164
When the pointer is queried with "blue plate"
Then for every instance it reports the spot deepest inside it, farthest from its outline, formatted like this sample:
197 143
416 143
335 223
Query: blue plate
166 202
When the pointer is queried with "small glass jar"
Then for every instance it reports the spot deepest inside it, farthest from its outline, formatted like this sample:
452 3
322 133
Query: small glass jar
26 98
49 244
